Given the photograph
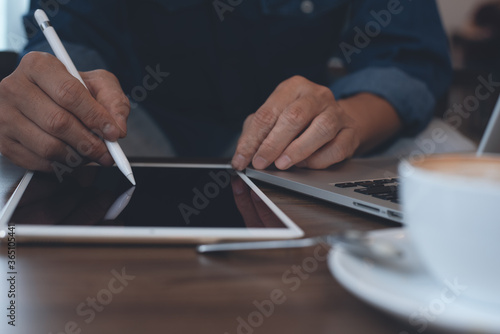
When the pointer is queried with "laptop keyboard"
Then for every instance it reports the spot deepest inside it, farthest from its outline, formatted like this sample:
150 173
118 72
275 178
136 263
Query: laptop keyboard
386 189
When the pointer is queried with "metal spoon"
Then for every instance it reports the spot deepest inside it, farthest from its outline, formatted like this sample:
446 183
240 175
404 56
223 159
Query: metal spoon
355 242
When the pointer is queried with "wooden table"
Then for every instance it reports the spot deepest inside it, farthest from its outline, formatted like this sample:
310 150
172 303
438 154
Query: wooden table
174 290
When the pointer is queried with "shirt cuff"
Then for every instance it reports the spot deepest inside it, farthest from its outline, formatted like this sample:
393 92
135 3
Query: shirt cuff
411 98
85 59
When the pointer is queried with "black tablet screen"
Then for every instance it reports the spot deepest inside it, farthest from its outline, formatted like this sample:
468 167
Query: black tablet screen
164 196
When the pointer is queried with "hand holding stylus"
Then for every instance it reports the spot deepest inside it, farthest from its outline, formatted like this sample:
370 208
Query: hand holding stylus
48 116
60 52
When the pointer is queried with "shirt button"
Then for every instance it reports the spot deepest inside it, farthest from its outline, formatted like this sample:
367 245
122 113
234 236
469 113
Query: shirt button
307 6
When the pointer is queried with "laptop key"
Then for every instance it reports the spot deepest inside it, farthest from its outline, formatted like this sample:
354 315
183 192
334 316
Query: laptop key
383 181
346 185
380 190
365 183
383 189
386 197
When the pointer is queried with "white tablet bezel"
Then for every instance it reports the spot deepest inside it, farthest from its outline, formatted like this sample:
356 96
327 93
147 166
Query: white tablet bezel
105 234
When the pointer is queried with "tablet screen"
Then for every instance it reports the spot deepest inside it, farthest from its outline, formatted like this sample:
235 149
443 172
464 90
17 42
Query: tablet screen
163 197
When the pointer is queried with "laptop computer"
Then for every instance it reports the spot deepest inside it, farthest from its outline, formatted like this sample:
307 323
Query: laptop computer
369 185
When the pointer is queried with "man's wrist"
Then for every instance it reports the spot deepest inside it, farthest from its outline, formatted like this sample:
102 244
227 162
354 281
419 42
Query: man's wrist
376 119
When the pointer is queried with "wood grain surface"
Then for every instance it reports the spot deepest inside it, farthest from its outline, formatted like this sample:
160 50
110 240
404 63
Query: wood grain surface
172 289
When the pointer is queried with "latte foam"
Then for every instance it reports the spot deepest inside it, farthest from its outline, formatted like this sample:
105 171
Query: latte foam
468 166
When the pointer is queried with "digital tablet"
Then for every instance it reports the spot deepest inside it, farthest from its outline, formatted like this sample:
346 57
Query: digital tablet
171 203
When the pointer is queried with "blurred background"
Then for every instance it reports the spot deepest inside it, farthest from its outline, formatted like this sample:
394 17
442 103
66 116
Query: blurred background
12 35
473 27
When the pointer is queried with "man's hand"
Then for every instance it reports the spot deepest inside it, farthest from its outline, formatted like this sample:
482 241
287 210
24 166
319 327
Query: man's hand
46 114
302 124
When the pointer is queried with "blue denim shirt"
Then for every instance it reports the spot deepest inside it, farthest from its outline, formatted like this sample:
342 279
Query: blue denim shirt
224 58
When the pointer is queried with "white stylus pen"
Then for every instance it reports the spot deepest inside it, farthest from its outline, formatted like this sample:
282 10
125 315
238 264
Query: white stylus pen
55 43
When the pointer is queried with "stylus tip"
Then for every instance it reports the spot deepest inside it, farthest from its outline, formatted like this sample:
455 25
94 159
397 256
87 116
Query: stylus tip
130 177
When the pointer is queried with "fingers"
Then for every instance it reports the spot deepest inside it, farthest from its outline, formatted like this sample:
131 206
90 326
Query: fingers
294 119
337 150
270 135
255 130
259 125
37 141
50 75
23 157
322 130
46 129
49 115
106 89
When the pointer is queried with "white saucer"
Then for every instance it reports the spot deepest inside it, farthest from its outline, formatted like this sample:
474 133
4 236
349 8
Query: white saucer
404 288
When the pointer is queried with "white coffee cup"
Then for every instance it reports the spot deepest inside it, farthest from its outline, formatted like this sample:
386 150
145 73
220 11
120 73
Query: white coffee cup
451 207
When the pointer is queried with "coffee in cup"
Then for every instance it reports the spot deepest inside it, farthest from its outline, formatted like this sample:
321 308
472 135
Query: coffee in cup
451 207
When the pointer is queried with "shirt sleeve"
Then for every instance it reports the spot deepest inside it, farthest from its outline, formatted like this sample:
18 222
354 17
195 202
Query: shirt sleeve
397 50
